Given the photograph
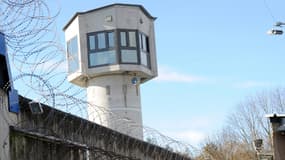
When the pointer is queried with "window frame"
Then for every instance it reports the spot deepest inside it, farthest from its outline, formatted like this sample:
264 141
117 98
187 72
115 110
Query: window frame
128 47
146 50
118 48
70 54
100 50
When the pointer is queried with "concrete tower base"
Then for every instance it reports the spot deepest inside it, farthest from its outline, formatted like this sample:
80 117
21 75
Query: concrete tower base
114 102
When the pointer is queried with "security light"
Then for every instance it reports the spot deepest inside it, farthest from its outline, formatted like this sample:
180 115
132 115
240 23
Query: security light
275 32
35 107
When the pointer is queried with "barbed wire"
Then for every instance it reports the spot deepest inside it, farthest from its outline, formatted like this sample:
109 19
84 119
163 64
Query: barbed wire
38 60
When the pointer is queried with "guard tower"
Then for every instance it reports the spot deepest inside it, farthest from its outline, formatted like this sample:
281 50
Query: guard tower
111 51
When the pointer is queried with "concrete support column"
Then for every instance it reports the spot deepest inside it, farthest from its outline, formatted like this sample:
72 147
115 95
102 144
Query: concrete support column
114 101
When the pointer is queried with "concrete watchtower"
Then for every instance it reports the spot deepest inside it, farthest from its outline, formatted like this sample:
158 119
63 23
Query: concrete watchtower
111 51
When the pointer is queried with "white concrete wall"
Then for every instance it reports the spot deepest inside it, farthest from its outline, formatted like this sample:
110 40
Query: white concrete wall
72 31
119 108
123 17
6 119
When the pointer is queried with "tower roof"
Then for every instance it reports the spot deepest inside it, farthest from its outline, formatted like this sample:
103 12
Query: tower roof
111 5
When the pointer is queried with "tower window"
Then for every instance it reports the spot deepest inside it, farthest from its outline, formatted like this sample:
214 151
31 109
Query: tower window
144 50
111 40
72 55
123 38
101 40
101 48
132 39
92 42
120 46
129 56
128 47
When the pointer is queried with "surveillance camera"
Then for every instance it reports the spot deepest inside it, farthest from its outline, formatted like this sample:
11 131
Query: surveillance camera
134 80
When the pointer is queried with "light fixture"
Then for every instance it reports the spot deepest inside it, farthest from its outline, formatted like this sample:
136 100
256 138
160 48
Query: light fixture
134 80
275 32
35 107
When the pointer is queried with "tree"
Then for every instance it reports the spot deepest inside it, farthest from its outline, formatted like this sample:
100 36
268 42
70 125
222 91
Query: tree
249 121
246 124
225 146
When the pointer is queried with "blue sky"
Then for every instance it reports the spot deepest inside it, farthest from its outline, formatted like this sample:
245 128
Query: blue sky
211 56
